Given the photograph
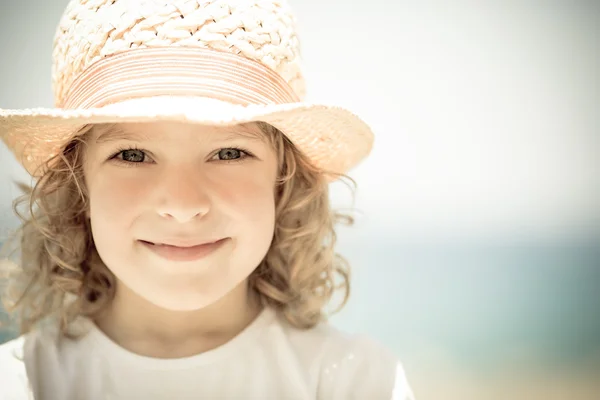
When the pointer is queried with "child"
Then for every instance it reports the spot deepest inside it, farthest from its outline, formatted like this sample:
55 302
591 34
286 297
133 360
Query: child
180 243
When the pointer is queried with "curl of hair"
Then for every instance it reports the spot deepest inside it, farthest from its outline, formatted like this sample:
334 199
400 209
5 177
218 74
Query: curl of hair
59 272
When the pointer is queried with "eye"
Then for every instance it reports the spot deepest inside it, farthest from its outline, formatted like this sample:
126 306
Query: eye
231 154
130 156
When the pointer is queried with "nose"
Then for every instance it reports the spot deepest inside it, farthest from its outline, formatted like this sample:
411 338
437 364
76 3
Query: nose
183 195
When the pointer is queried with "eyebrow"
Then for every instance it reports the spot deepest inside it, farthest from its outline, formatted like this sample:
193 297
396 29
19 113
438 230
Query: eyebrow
242 133
115 133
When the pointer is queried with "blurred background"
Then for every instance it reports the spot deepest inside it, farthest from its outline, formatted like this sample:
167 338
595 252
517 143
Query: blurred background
476 250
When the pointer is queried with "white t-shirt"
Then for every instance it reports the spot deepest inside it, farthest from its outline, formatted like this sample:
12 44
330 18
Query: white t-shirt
270 359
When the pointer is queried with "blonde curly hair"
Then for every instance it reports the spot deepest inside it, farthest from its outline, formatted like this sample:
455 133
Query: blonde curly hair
60 272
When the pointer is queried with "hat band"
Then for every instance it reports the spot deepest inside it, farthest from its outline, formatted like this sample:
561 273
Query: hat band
178 71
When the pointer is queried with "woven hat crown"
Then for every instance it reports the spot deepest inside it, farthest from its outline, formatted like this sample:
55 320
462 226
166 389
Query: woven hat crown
260 30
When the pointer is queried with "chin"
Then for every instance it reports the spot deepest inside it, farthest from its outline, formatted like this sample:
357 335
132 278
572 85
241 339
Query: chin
182 300
180 306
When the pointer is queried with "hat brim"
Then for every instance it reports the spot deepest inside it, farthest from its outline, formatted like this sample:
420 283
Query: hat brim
333 138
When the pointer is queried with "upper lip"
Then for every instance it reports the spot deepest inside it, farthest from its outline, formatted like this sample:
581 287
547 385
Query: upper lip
182 242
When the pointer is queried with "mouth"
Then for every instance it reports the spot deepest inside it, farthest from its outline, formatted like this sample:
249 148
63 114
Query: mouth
180 245
184 252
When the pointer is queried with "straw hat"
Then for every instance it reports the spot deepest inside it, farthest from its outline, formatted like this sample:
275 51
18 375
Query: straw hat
215 62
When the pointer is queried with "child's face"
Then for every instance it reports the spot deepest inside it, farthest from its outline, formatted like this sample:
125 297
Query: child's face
184 182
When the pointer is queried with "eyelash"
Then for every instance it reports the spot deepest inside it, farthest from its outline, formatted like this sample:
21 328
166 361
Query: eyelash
120 150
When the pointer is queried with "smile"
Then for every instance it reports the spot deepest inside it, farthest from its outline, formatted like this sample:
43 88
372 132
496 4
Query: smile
176 253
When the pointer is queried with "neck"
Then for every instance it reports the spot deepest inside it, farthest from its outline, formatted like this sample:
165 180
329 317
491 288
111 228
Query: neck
146 329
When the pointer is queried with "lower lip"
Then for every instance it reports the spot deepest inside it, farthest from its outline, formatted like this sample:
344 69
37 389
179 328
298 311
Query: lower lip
173 253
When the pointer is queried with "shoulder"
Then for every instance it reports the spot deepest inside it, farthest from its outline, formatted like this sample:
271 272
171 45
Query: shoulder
357 366
12 370
11 352
36 360
351 366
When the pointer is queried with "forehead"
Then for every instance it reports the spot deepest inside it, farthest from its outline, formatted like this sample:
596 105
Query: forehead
105 133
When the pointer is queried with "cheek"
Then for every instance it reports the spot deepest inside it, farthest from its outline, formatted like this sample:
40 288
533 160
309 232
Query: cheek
114 199
251 198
